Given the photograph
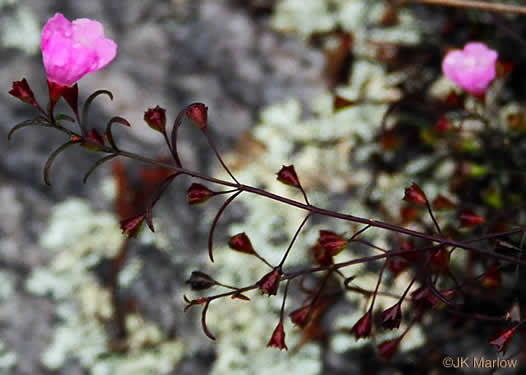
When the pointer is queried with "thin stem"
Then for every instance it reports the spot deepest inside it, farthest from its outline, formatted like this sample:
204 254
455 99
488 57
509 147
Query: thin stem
433 217
293 240
482 5
304 195
378 284
323 212
216 220
284 299
213 147
353 238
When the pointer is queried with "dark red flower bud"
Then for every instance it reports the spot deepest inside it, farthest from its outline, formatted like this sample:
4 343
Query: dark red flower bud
240 296
493 277
300 317
332 242
412 256
240 242
288 176
200 281
322 256
132 225
470 219
156 118
392 317
408 213
397 264
442 203
443 125
415 195
198 193
453 99
502 340
362 328
425 297
440 261
278 338
22 91
270 282
94 136
198 113
388 348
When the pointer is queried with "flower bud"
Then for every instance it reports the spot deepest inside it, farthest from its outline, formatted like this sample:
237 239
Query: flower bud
198 113
132 225
362 328
443 125
269 283
442 203
388 348
93 140
322 256
22 91
300 317
470 219
332 242
493 277
156 118
278 338
198 193
397 265
414 194
502 340
240 242
440 261
288 176
200 281
392 316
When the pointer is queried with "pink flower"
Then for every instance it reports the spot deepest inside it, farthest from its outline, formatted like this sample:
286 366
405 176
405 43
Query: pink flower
71 50
473 68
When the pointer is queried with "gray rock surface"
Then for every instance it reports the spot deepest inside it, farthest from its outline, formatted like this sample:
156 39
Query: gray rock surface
170 53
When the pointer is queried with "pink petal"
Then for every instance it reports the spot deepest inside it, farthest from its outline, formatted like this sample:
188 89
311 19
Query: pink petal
70 50
87 32
473 68
106 50
58 24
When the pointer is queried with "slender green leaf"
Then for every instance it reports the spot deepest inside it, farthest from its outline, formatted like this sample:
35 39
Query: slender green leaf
108 134
87 104
37 121
52 158
96 165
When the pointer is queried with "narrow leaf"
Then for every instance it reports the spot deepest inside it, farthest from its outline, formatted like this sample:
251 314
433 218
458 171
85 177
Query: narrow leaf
52 158
214 224
160 190
203 322
37 121
87 103
108 134
96 165
177 123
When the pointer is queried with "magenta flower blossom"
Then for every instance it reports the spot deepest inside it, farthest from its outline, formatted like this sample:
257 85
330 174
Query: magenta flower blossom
71 50
472 69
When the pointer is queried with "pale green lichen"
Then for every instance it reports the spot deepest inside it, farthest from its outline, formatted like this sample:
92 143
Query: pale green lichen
81 238
7 285
320 148
7 359
20 30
